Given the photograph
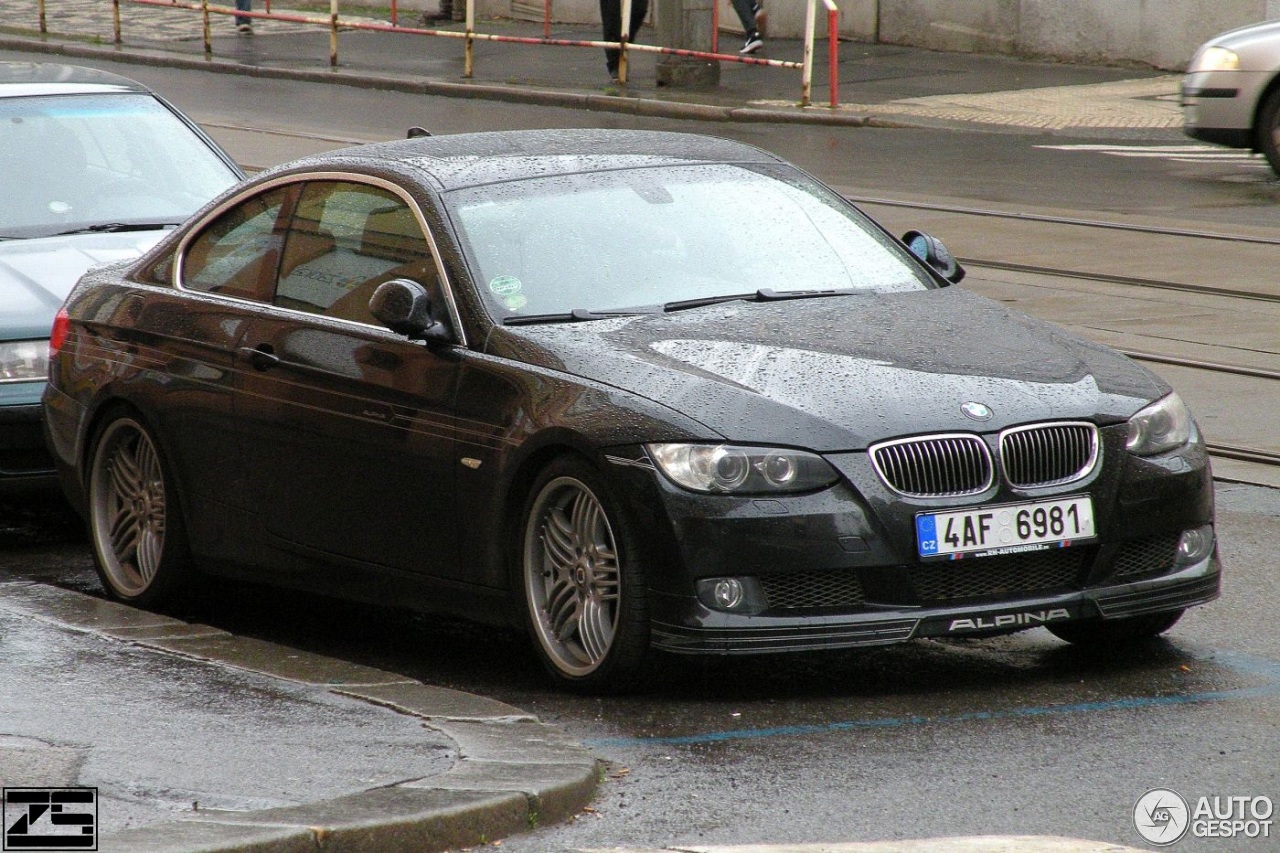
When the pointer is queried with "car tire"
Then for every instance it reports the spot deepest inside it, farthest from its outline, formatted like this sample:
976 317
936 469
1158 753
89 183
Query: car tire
135 522
1100 632
1268 130
583 590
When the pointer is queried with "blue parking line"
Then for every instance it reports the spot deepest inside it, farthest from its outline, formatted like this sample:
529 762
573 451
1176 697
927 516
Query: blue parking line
1246 664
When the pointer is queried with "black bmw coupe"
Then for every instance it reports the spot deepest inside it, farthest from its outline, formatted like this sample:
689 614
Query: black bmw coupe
633 391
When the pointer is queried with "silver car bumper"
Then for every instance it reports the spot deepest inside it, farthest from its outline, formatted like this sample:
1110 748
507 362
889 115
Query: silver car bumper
1220 106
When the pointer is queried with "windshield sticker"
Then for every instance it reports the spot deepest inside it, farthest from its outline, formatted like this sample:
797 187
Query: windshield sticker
507 288
506 285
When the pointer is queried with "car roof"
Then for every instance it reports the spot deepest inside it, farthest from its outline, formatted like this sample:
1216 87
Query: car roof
470 159
21 79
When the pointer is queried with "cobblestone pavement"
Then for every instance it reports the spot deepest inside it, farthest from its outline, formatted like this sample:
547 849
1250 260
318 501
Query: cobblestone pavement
1147 104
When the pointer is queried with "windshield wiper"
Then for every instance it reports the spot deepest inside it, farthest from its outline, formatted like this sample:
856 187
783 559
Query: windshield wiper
117 227
577 315
682 304
764 294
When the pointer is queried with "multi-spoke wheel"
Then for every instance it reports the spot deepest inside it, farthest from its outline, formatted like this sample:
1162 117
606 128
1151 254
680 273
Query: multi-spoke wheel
134 523
1108 632
582 582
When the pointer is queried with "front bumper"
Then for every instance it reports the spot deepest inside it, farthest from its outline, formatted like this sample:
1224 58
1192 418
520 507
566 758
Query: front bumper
728 634
839 568
25 461
1220 106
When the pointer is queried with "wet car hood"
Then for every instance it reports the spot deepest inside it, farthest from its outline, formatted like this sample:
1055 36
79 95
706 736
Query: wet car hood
37 274
843 372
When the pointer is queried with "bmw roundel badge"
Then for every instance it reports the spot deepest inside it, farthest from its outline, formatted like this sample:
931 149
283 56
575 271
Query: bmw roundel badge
976 411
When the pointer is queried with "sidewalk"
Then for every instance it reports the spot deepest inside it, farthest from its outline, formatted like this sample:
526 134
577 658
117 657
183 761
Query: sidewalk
197 739
879 85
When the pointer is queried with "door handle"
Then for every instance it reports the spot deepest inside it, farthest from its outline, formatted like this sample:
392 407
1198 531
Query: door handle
262 357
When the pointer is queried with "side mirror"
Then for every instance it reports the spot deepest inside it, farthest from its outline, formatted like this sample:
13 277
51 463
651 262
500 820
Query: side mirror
932 251
415 132
403 306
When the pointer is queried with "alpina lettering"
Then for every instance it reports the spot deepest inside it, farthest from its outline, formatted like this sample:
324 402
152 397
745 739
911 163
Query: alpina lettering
1010 620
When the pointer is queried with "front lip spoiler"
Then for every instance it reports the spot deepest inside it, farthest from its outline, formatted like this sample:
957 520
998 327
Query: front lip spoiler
1194 585
806 635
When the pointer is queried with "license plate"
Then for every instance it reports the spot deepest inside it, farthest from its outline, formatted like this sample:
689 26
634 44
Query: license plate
1008 529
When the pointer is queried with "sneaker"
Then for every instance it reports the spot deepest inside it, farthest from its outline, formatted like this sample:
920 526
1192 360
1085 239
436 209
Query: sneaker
244 28
753 43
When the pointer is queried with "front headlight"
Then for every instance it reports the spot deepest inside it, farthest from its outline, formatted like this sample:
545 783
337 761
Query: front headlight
1164 425
725 469
24 361
1215 59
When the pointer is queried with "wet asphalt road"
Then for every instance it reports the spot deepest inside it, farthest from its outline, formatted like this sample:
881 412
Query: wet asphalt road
1016 735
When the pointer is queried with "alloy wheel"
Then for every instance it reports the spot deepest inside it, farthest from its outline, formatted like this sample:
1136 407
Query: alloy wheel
572 576
128 508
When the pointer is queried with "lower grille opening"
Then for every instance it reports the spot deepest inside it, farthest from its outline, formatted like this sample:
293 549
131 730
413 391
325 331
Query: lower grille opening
836 590
1010 575
1150 555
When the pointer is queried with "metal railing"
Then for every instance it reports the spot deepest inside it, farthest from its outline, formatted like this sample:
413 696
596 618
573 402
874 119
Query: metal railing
810 30
334 23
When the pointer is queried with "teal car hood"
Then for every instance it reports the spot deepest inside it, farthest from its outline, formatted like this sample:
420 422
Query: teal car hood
37 274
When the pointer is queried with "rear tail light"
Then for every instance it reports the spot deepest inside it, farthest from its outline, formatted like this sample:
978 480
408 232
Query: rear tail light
61 328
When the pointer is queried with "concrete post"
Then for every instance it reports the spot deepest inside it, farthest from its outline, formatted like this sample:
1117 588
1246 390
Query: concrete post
685 25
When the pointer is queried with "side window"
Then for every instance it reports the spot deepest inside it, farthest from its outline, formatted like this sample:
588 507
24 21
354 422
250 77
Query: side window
238 254
345 240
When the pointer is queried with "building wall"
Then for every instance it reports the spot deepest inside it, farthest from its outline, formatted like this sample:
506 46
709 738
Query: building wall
1160 33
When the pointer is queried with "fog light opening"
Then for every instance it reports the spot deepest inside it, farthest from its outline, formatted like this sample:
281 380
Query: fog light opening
741 596
728 593
1195 545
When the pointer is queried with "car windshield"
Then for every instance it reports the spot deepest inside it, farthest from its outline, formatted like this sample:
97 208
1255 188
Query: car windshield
100 162
649 237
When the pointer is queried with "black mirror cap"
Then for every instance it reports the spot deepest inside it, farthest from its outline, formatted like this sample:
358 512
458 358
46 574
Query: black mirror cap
403 306
415 132
933 252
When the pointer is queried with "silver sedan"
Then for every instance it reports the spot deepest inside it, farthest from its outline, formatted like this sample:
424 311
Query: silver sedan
1231 93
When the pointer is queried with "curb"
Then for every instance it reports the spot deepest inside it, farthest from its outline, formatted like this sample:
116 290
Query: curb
514 772
417 86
